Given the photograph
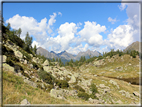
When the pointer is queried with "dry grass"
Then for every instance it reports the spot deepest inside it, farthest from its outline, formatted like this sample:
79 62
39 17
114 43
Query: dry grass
14 93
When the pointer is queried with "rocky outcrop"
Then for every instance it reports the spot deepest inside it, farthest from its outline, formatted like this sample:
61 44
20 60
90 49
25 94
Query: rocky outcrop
94 101
73 79
46 63
7 67
24 102
30 83
57 93
18 54
136 94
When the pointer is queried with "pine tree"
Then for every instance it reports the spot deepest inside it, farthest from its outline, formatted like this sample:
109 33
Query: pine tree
28 42
35 49
19 32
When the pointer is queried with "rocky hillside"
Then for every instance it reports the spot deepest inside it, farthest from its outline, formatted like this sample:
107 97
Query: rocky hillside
30 79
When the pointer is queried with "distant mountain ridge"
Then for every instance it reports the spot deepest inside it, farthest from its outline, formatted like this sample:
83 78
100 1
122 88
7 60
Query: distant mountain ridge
65 55
133 46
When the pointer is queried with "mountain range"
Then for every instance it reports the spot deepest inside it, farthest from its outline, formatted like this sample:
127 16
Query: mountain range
64 55
133 46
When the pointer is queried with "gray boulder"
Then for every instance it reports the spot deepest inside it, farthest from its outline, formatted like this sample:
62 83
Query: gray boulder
25 61
18 54
114 83
24 102
46 63
136 94
94 101
7 67
73 79
4 58
30 66
30 83
57 93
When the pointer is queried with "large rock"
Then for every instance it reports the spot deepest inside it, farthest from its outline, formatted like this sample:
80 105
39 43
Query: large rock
57 93
18 54
24 102
94 101
46 63
30 66
7 67
73 79
25 61
136 94
30 83
4 58
36 60
46 68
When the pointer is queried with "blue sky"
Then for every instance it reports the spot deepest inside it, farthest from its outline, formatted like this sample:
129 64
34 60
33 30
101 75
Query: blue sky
76 27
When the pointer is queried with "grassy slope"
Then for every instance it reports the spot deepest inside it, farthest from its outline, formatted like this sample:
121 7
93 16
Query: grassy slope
15 90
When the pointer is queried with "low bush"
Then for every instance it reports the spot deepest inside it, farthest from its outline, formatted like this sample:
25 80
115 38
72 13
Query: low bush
18 68
35 65
77 87
83 95
94 90
46 77
62 83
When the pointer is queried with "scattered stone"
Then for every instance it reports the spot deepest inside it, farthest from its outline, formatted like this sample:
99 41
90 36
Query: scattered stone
103 86
114 83
7 67
22 60
93 101
25 61
119 102
119 68
57 93
18 54
111 70
24 102
46 63
4 58
136 94
30 83
97 95
124 93
95 75
73 79
31 55
30 66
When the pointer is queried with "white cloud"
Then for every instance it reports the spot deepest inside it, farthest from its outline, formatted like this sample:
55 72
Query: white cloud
35 43
90 33
59 13
77 49
112 20
122 6
120 37
133 13
51 21
62 41
29 24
